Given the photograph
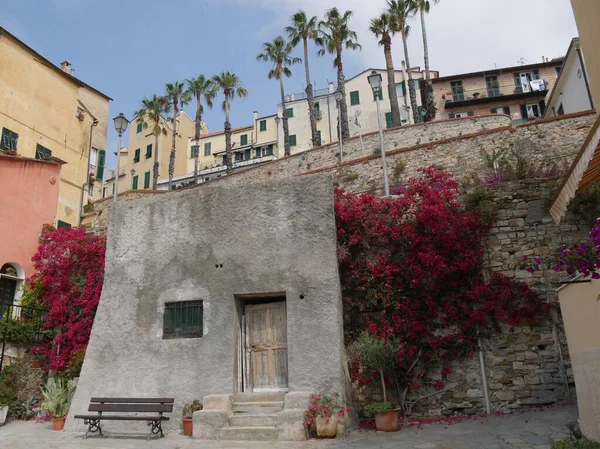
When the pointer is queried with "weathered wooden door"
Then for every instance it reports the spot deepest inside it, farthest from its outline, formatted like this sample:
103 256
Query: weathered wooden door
266 346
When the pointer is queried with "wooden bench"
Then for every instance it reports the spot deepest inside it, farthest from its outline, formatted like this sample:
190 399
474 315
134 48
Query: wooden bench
150 409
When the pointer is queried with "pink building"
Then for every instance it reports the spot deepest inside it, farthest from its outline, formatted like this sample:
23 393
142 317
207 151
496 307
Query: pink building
28 200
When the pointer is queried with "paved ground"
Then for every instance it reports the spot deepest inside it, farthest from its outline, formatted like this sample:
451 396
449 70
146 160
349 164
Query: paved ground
531 430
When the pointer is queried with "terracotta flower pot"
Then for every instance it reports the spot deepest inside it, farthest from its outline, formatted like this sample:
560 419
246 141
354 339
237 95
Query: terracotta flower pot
327 429
188 426
58 423
388 421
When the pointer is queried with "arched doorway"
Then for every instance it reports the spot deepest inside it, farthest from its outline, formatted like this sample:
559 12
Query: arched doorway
11 280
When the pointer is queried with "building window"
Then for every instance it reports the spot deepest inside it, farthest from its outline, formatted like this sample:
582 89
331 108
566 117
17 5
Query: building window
531 111
319 136
292 140
557 70
561 110
420 113
148 151
135 182
101 162
401 89
380 96
147 180
207 149
458 92
389 123
9 140
290 112
140 127
244 139
183 319
354 98
493 88
262 125
317 107
113 189
136 158
63 224
523 80
501 110
42 153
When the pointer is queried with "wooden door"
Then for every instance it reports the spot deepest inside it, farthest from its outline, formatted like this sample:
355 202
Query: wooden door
266 347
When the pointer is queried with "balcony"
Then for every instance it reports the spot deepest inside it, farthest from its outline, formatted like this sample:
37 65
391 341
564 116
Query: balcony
494 93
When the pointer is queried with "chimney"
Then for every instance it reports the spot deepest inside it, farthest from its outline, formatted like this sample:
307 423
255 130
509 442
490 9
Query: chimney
255 115
65 66
543 59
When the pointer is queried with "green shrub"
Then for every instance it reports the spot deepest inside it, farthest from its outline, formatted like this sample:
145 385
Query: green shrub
57 396
377 407
191 407
353 176
569 443
76 362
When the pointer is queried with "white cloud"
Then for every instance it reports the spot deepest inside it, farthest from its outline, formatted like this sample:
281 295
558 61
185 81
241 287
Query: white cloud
464 35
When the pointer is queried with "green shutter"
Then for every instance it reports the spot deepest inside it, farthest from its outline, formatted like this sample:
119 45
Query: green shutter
354 98
420 112
404 88
207 149
290 112
319 136
244 139
292 140
137 156
63 224
388 120
140 127
148 151
263 125
101 161
135 182
147 180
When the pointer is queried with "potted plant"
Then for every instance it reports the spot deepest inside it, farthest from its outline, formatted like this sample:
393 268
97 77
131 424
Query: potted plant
57 399
323 414
188 413
387 418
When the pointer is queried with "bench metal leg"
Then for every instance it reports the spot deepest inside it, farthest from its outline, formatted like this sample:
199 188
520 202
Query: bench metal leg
155 428
93 427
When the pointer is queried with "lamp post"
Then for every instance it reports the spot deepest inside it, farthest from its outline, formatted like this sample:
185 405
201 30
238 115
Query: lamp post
338 101
375 82
120 125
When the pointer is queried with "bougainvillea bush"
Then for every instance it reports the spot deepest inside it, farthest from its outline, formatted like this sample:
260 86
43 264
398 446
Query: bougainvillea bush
70 265
413 264
581 258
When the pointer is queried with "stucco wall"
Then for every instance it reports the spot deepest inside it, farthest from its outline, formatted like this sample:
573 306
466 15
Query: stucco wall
587 13
28 201
159 250
581 314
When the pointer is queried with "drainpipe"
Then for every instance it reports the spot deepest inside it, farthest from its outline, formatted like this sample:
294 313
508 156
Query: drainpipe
87 172
486 395
585 78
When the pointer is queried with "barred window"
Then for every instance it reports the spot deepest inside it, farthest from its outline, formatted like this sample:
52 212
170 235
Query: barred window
183 319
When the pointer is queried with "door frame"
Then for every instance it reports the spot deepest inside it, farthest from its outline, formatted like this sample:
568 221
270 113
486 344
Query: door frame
242 379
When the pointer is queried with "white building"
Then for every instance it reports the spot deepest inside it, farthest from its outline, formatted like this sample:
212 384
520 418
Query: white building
571 91
362 108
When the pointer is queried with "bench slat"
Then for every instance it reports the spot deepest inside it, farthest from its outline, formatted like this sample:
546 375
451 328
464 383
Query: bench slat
133 408
134 400
123 417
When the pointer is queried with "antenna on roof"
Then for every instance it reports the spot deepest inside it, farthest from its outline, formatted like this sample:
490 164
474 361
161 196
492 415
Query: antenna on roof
522 60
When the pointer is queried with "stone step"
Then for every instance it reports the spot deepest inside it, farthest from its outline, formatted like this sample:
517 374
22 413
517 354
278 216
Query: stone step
257 408
246 420
271 396
248 434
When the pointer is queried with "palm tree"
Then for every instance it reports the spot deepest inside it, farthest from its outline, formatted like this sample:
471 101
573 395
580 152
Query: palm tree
152 114
177 97
303 29
335 35
423 6
197 88
401 11
382 26
231 86
278 52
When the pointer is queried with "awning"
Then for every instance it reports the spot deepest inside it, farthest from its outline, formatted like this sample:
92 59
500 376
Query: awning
584 171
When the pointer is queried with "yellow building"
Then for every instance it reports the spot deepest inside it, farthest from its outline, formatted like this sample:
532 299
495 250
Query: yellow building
47 113
137 160
251 145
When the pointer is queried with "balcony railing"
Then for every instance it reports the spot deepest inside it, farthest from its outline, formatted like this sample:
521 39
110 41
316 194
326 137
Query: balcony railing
302 95
490 92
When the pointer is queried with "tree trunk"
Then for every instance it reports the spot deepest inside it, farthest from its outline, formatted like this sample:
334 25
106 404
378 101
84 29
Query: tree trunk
310 98
155 168
430 108
286 129
411 84
228 149
389 62
174 141
343 104
198 128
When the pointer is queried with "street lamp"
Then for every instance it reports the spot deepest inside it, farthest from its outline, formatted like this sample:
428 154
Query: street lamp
120 125
375 82
339 97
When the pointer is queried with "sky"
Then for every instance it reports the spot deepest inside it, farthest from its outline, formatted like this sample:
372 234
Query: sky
129 49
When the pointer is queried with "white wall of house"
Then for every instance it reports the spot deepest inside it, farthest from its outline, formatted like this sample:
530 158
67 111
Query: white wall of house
570 90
